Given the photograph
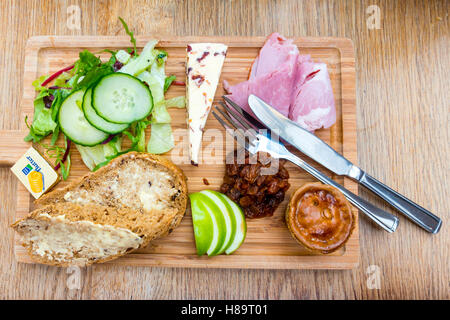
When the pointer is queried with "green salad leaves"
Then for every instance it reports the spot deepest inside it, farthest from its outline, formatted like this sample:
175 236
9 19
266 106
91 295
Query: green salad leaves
148 66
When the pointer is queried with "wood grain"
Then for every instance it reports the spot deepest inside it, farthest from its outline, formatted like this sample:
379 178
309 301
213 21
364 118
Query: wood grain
12 146
268 244
403 134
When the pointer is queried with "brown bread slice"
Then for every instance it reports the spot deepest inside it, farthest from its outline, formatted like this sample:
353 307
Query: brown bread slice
141 193
147 183
68 234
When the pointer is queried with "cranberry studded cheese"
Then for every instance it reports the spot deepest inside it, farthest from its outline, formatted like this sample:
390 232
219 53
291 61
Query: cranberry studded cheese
203 68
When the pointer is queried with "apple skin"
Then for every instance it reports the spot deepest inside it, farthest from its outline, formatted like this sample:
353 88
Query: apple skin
202 223
209 224
219 223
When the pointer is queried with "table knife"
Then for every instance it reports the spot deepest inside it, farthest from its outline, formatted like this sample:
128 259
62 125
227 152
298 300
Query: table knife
315 148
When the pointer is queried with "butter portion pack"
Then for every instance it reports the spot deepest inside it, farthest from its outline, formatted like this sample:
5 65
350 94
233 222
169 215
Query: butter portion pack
35 173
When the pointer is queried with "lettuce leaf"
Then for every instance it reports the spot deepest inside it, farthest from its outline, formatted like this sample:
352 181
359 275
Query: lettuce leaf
138 64
123 57
86 62
160 113
168 81
90 69
32 136
155 80
140 135
37 84
161 138
61 81
43 122
177 102
93 156
94 75
154 85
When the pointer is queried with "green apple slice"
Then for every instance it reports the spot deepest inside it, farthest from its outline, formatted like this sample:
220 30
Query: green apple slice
215 231
228 217
219 228
202 222
241 225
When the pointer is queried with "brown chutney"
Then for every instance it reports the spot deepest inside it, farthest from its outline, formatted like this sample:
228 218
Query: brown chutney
258 195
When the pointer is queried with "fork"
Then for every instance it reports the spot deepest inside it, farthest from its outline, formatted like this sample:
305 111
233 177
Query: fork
255 142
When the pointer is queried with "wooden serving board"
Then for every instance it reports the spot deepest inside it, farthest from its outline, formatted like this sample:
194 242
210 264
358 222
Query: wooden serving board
268 244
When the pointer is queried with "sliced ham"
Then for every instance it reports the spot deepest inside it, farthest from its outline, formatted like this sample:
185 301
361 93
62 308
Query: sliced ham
238 93
274 68
277 52
292 83
280 93
313 104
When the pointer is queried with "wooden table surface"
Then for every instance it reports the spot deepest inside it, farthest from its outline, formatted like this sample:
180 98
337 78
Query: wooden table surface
403 139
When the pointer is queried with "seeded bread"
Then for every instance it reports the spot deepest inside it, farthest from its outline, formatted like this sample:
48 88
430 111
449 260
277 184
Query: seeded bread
147 183
67 234
141 193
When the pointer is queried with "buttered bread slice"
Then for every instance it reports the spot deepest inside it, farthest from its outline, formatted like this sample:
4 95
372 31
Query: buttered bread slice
68 234
136 198
203 68
147 183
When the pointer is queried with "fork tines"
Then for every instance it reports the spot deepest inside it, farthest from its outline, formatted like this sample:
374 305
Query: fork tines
247 116
240 130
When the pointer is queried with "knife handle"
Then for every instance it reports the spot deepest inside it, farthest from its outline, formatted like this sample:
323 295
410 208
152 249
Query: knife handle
413 211
382 218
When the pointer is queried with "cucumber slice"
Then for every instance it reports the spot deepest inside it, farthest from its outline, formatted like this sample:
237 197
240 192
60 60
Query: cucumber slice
121 98
230 222
94 119
73 123
241 225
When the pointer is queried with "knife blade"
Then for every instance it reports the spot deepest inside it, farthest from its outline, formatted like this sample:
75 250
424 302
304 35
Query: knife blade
302 139
319 151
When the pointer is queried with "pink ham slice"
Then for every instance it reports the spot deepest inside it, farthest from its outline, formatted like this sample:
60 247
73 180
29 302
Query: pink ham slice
292 83
279 94
274 68
313 101
277 52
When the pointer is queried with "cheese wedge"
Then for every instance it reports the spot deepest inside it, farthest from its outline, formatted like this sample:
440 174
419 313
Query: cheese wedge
203 67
